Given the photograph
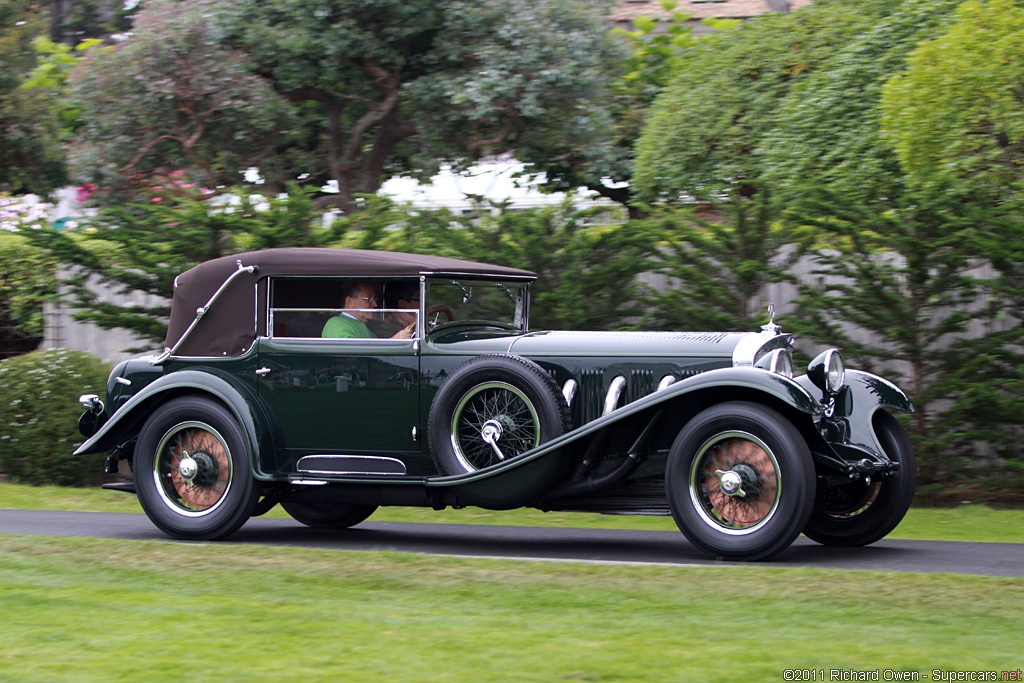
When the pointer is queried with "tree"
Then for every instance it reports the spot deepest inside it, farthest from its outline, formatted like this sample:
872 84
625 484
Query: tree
600 157
828 128
586 262
74 21
955 118
701 146
30 156
341 91
956 115
716 267
170 97
27 277
892 287
143 247
703 136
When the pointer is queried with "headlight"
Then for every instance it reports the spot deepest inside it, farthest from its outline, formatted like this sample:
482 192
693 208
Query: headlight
828 372
779 360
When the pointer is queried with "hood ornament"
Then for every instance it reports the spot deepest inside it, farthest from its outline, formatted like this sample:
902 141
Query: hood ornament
771 328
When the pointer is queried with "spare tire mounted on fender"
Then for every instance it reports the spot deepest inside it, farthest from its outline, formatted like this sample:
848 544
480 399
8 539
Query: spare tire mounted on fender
492 409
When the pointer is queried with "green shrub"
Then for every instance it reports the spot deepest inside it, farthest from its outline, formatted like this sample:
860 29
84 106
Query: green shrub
39 416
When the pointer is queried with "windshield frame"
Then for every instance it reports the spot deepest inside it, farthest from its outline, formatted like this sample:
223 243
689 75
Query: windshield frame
518 292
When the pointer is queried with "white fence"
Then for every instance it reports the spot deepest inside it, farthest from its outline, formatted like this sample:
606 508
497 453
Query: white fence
62 331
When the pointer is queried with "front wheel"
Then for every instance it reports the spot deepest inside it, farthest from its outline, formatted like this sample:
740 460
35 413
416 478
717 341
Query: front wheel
740 481
860 513
191 470
328 515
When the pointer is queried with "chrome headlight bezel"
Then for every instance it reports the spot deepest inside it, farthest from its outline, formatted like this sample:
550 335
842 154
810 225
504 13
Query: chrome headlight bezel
828 372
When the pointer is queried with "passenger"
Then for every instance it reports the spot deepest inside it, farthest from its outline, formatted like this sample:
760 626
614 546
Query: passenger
406 296
358 298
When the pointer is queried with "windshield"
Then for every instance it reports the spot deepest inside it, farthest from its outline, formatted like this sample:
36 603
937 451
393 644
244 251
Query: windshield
500 304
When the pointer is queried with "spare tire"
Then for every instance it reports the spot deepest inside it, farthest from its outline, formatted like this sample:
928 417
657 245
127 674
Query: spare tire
492 409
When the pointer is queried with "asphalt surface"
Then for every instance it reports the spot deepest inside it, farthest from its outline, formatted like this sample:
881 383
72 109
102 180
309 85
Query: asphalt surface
539 543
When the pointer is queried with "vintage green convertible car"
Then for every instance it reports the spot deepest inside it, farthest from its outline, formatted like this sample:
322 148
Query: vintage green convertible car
251 405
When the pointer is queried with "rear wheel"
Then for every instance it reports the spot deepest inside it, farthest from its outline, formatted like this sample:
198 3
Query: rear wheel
740 481
863 512
328 515
192 470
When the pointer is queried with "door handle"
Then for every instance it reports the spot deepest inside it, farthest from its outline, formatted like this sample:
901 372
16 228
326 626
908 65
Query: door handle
262 372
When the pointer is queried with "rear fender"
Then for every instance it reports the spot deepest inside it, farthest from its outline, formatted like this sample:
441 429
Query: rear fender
235 395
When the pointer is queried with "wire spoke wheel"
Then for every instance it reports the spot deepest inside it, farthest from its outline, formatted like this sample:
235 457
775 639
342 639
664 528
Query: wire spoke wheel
489 413
192 472
734 482
193 468
740 481
494 421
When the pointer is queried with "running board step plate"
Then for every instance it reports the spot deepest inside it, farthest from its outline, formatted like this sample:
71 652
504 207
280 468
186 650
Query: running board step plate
350 464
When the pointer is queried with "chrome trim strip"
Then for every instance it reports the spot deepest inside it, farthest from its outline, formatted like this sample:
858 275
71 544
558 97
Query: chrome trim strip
475 276
346 473
421 319
611 399
569 391
374 458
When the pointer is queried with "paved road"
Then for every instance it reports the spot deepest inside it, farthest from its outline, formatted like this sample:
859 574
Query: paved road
548 543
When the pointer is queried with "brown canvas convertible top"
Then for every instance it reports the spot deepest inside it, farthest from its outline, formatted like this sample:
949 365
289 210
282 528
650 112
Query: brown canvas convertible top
230 327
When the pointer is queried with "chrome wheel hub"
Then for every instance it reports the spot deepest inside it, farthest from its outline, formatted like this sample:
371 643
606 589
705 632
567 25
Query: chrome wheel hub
739 481
197 469
491 431
188 468
734 483
731 483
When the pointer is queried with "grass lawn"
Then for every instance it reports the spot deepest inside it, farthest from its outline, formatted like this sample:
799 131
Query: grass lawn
964 523
105 610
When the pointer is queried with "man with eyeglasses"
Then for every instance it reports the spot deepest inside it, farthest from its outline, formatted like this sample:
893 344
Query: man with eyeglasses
359 301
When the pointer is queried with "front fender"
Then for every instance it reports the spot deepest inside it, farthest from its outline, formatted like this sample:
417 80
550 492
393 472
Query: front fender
748 380
238 397
850 428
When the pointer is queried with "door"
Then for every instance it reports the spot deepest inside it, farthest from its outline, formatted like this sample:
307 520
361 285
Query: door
344 396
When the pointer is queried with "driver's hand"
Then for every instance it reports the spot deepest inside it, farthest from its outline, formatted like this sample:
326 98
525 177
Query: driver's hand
406 332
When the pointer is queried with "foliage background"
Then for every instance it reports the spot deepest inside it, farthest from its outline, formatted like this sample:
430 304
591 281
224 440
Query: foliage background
879 141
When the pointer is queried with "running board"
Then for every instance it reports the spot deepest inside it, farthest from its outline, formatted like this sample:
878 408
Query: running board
350 464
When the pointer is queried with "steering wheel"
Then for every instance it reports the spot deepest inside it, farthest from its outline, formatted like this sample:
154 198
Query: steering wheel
437 310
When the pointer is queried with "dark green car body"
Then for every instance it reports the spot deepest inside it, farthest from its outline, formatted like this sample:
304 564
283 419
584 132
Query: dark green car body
481 411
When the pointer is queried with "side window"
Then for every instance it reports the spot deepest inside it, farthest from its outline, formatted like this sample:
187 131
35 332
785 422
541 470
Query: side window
315 308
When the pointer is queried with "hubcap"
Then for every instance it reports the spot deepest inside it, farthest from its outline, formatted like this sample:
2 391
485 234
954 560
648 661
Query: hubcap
491 431
187 468
730 482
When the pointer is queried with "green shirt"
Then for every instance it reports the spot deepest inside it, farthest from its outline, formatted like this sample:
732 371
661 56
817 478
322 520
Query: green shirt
346 327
